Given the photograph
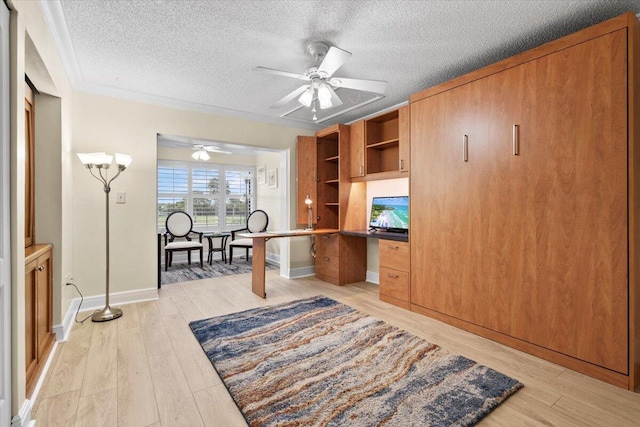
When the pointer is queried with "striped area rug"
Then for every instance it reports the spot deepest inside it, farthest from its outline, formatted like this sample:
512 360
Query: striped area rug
185 272
317 362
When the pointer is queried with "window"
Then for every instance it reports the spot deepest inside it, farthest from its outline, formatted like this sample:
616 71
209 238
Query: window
218 197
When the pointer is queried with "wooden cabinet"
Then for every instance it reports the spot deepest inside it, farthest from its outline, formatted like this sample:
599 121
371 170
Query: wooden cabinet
339 204
387 142
356 149
39 336
306 177
394 272
524 202
29 167
341 259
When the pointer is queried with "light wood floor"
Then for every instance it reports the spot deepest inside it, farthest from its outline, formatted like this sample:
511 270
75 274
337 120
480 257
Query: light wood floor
147 369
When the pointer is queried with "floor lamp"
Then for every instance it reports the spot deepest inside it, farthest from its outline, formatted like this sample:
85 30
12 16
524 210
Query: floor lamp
101 162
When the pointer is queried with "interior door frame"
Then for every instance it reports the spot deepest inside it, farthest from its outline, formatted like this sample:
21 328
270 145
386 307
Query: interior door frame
5 238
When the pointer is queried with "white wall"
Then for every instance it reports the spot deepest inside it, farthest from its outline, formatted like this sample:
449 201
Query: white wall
269 200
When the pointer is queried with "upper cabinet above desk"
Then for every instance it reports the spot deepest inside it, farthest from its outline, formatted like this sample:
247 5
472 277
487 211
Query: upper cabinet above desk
380 146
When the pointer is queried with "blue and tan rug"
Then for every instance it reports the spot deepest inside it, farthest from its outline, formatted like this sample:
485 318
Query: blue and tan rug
181 272
317 362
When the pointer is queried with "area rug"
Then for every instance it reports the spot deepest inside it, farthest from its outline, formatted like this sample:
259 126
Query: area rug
184 272
318 362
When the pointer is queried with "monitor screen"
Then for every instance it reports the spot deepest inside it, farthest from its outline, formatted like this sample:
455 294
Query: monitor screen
390 213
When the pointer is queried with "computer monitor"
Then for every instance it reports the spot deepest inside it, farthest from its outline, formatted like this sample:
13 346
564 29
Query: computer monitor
390 214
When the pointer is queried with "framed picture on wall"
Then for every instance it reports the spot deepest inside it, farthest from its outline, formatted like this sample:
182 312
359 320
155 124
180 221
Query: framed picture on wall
272 178
261 171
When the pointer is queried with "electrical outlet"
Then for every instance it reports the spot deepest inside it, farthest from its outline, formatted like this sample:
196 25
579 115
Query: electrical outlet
121 197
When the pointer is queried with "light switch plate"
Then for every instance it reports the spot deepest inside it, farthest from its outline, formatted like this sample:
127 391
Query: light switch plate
121 197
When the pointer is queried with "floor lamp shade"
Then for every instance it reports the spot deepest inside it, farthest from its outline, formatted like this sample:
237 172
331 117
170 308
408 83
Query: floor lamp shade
98 165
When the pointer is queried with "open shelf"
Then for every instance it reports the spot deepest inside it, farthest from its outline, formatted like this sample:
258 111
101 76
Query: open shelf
382 143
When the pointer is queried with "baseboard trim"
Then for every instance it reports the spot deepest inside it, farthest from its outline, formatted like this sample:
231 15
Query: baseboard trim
23 419
119 298
273 258
373 277
296 273
63 330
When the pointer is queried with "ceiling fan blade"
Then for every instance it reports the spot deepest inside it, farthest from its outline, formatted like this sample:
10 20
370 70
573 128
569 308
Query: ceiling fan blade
281 73
333 60
288 98
375 86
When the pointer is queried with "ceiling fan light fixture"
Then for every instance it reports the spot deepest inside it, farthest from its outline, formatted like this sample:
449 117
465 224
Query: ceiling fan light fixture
324 96
201 155
307 97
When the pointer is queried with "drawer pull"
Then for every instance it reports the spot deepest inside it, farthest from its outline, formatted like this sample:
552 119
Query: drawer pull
393 276
326 258
326 237
395 248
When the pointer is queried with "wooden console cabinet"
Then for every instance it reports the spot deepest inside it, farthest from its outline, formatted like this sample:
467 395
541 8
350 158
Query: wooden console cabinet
526 201
39 336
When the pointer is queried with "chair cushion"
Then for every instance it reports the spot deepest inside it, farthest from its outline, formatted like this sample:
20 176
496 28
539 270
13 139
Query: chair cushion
183 245
242 242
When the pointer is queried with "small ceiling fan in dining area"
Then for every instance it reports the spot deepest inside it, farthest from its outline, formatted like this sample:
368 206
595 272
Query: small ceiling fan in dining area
201 152
320 85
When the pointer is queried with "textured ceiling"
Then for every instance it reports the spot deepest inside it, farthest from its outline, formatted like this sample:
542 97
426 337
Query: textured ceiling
199 54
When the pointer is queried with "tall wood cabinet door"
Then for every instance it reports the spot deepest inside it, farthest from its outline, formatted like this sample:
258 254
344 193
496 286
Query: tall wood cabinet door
43 304
29 168
356 149
445 203
577 204
503 220
404 138
306 173
30 327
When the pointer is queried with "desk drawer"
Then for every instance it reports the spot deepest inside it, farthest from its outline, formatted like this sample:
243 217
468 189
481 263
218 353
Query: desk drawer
394 254
328 244
327 266
394 283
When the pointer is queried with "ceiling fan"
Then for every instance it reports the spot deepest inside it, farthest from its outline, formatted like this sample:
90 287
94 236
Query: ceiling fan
321 84
202 151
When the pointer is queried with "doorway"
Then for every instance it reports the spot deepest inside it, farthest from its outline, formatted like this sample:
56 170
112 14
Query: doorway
239 174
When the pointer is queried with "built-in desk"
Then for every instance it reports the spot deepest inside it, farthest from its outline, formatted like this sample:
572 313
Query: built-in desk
398 237
259 252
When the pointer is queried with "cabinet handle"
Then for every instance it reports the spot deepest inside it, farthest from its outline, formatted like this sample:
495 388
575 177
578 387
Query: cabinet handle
393 276
361 170
40 267
465 148
395 248
401 164
326 258
516 140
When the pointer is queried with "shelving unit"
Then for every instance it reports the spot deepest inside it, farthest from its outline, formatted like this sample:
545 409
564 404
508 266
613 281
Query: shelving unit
382 140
